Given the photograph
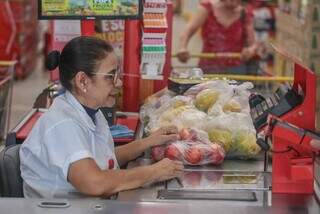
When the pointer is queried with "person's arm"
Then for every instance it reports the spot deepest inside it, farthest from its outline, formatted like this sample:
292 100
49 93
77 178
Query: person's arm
315 144
195 23
132 150
90 180
251 46
250 40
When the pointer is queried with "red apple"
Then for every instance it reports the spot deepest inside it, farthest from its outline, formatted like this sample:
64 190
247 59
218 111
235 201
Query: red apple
172 152
184 134
217 154
188 134
193 155
157 153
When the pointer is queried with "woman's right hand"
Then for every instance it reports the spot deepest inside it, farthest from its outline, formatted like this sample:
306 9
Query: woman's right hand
315 144
183 55
167 169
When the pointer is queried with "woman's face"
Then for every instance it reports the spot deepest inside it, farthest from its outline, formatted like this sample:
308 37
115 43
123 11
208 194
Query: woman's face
103 88
231 4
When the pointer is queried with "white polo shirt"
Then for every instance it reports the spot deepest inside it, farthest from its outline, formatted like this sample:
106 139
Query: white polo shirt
63 135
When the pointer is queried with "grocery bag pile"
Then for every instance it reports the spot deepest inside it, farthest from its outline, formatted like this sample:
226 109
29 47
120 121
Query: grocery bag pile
213 119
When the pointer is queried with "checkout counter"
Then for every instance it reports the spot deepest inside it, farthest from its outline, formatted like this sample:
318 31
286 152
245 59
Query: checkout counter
284 204
189 196
234 187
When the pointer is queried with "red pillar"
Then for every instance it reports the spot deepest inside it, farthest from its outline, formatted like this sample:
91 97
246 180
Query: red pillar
131 65
160 84
87 28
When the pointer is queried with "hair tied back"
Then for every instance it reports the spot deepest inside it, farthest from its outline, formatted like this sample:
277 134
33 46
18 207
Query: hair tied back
53 60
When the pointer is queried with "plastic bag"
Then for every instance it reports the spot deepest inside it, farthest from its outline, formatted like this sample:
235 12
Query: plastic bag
205 99
222 137
194 134
157 152
182 117
241 96
215 84
234 98
245 146
243 135
232 106
164 111
195 152
232 122
190 118
193 148
153 104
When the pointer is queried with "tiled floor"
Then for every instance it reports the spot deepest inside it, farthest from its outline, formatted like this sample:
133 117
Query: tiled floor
25 92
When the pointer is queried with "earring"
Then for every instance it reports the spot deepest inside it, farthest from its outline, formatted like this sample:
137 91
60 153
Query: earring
85 90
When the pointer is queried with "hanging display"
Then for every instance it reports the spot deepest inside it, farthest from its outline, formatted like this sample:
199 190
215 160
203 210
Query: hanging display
89 9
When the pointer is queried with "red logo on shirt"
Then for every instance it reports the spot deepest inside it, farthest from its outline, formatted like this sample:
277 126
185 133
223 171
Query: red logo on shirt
111 163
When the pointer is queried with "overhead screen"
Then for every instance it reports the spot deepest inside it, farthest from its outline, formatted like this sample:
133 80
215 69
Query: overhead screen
90 9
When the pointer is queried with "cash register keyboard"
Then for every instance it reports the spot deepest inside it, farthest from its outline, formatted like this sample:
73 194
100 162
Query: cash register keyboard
279 103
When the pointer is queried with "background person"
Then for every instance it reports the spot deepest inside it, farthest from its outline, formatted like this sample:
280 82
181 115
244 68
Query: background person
226 27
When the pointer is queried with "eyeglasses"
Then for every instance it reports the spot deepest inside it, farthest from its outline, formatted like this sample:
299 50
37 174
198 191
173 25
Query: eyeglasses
113 74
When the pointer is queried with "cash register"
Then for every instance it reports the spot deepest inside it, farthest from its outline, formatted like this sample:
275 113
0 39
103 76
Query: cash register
287 117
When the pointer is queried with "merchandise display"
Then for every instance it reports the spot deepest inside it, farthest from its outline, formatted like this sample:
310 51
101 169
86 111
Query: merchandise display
89 9
20 35
154 33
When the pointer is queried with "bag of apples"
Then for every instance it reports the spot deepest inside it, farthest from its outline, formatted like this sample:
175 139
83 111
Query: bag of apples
192 149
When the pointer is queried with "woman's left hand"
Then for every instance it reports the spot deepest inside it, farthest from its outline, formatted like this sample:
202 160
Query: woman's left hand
163 135
246 54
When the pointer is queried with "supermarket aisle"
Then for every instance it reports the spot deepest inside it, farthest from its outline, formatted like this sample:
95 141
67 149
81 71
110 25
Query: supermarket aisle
25 92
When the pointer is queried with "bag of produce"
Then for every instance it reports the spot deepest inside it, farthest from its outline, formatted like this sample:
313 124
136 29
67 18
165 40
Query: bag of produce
232 106
222 137
162 113
235 133
244 146
215 84
157 152
205 99
195 152
190 118
153 105
182 117
193 148
234 98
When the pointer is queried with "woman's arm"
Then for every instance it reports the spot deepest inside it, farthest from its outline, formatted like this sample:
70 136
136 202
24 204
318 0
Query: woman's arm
132 150
195 23
250 40
251 46
315 144
90 180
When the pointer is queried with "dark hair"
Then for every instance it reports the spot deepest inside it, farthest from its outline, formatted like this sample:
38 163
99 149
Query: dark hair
80 54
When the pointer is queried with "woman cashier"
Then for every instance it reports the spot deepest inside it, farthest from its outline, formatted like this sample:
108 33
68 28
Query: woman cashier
70 151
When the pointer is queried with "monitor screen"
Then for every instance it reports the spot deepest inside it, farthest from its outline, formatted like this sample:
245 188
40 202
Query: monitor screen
90 9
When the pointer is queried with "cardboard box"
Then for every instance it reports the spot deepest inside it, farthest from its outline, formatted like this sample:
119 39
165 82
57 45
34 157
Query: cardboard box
298 32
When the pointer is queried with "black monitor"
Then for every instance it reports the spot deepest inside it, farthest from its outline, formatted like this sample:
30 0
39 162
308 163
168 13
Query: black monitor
89 9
